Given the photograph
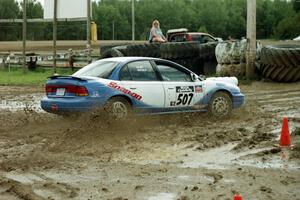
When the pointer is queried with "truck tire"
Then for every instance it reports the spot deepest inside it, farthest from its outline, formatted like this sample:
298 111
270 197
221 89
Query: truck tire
179 50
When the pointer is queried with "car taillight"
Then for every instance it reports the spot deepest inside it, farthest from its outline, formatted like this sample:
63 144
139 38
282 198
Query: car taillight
81 91
189 38
50 89
77 90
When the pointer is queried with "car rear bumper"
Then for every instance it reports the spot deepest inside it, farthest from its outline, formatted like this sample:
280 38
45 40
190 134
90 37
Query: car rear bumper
63 105
238 100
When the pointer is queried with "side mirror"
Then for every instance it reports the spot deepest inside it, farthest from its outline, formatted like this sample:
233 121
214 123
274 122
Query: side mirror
202 77
194 77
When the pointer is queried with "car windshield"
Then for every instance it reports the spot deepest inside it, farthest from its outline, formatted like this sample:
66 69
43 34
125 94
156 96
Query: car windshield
101 69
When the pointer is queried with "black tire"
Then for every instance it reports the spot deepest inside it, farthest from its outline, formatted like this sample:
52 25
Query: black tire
118 108
194 64
220 105
112 53
280 63
281 55
210 67
179 50
146 50
280 73
207 50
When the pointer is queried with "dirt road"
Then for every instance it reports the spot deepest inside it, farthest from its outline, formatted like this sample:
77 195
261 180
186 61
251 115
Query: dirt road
44 156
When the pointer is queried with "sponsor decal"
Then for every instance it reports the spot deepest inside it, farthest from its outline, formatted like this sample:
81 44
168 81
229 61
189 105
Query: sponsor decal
198 89
172 103
183 89
124 90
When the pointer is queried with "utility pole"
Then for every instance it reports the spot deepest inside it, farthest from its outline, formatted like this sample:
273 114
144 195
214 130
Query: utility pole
88 32
24 35
113 30
251 38
133 21
54 35
88 22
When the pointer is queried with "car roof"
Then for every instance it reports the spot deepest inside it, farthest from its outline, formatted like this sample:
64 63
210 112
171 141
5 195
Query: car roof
177 30
199 33
128 59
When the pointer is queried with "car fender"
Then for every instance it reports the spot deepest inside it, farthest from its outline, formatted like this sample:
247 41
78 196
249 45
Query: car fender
209 94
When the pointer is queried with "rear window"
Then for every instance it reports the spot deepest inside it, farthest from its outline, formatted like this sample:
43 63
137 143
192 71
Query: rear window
101 69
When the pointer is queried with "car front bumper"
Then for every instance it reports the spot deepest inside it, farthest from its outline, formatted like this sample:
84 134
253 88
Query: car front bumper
238 100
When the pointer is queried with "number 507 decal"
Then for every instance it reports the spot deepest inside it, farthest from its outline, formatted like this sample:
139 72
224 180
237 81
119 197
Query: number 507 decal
184 99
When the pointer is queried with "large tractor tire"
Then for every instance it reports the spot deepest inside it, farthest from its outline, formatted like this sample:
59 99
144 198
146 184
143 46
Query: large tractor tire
231 52
280 63
281 55
207 50
280 73
179 50
146 50
193 64
113 52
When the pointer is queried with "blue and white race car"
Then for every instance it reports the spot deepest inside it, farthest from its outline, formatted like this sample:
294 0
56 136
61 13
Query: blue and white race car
140 85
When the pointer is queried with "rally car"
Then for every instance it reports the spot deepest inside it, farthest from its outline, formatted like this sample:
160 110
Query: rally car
124 86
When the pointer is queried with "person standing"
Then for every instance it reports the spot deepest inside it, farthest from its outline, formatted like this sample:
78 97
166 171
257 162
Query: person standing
156 34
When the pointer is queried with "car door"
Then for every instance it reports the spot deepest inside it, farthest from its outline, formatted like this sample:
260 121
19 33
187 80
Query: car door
182 93
140 78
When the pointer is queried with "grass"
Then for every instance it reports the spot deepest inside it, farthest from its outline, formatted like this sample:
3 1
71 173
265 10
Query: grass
16 76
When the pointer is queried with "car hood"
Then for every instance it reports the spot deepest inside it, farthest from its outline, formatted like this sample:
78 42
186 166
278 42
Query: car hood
230 80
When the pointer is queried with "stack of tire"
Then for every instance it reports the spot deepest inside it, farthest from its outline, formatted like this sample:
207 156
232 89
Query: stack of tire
231 57
280 63
200 58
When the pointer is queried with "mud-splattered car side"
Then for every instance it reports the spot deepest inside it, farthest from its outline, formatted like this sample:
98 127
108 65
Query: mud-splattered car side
142 85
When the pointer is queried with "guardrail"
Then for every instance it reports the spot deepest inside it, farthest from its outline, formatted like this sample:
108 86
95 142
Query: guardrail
80 58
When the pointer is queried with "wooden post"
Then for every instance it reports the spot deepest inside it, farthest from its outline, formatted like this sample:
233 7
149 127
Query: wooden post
24 35
133 21
54 35
251 38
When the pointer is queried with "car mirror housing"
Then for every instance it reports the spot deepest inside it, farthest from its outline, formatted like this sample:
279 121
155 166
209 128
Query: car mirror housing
202 77
194 77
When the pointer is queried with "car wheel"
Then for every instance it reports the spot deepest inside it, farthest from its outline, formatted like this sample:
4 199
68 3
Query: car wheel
220 105
118 108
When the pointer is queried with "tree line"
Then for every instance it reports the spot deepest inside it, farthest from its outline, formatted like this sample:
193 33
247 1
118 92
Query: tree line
278 19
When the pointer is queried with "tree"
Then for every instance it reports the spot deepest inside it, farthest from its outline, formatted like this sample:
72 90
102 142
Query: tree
9 9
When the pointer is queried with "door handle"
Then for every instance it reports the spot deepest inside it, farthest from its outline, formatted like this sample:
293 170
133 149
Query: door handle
133 88
171 88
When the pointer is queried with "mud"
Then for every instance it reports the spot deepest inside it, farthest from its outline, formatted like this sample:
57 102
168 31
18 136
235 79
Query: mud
44 156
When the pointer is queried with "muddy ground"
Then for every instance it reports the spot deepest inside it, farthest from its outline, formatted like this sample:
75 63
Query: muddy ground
43 156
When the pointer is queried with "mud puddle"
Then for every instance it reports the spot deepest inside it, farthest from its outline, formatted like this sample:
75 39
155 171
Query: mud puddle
21 102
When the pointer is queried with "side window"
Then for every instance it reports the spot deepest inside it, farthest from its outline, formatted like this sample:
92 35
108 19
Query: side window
141 71
124 74
206 38
170 73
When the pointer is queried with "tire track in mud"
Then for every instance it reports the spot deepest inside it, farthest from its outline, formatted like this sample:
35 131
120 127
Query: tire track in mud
281 101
